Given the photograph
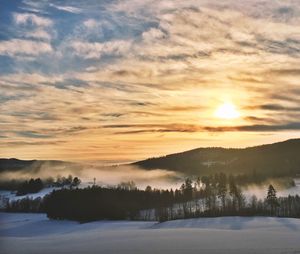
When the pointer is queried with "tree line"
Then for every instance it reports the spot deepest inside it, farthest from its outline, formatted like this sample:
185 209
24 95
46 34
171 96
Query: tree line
34 185
208 196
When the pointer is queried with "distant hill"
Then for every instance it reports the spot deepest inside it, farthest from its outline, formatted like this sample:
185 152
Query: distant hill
33 165
278 159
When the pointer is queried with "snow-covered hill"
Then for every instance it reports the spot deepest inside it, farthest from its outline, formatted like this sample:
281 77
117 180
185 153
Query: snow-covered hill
34 233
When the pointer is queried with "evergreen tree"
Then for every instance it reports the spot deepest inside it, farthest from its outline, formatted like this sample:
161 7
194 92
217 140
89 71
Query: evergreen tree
272 199
76 181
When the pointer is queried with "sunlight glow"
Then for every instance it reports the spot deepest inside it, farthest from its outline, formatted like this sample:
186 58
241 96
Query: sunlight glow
227 111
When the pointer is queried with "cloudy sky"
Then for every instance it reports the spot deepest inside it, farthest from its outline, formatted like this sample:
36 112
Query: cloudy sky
126 80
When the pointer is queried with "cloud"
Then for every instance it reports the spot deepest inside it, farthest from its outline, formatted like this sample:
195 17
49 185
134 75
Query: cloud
90 23
183 108
285 71
31 19
265 120
153 34
31 143
39 34
32 134
32 26
18 47
275 107
190 128
280 127
96 50
65 8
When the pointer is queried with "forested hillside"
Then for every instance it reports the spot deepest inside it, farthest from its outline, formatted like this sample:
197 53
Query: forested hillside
278 159
34 165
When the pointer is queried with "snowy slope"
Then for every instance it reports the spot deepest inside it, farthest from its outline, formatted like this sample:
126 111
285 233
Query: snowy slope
34 233
4 194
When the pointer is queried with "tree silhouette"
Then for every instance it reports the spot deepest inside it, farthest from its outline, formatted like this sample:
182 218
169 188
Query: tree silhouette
272 199
76 181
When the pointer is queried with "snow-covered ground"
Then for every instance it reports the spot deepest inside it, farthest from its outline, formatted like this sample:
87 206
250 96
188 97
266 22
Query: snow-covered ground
10 195
34 233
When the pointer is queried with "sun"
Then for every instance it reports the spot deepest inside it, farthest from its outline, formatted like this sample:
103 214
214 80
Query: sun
227 111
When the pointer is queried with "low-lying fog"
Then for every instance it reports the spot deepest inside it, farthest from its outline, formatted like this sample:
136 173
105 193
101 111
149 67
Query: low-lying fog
106 175
260 191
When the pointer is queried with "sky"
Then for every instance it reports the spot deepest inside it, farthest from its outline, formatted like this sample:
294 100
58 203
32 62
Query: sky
131 79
